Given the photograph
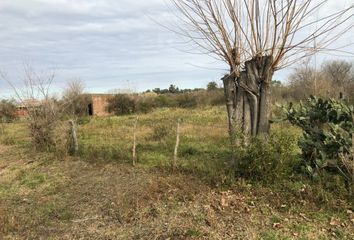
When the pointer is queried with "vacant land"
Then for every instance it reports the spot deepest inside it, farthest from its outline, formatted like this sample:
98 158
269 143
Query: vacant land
99 195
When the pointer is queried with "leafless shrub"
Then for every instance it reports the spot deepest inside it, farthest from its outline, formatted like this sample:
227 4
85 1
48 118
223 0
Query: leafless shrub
339 72
41 109
75 102
333 78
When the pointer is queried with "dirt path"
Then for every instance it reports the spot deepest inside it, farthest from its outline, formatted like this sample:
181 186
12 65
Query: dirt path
72 199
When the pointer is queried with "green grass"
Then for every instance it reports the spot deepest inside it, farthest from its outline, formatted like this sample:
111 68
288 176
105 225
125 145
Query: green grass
204 149
31 179
274 235
204 142
269 195
300 228
14 133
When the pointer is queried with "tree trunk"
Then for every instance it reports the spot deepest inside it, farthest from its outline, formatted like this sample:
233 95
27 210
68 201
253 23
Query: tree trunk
248 97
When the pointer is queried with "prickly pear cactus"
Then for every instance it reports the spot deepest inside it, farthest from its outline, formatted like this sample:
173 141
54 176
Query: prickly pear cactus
328 129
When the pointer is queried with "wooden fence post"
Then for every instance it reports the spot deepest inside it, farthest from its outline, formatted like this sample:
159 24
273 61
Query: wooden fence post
175 155
2 126
134 141
74 145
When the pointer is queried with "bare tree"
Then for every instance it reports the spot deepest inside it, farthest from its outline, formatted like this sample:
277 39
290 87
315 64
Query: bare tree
303 81
75 102
42 108
256 38
333 78
339 72
74 88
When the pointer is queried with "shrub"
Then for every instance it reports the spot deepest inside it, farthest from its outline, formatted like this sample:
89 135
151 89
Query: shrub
162 101
217 98
7 111
270 160
43 120
75 102
145 104
328 129
186 100
121 104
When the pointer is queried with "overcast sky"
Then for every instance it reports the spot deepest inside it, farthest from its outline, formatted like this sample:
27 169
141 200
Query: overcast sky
109 44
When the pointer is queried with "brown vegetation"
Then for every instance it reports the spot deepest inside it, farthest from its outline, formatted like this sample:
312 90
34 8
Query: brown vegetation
323 82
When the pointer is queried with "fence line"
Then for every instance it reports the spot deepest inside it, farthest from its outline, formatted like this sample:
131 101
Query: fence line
112 141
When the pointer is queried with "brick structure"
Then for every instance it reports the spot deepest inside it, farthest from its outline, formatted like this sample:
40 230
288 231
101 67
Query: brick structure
98 104
22 109
21 112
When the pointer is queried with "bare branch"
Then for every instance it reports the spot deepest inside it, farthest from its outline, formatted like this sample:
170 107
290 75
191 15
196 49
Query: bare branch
237 31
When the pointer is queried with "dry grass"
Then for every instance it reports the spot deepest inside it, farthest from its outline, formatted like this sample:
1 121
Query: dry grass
51 196
43 198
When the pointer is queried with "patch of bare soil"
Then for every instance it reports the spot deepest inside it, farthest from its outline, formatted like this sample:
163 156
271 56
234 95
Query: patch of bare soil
72 199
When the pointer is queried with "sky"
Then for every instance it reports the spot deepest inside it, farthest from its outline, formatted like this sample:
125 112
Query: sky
108 44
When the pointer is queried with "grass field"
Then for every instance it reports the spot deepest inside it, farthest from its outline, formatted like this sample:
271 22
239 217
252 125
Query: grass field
100 195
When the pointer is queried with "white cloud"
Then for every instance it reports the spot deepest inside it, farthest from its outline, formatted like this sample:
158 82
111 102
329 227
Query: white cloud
105 42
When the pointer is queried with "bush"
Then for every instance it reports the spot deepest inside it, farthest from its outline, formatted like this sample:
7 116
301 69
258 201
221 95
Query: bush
217 98
8 111
75 102
328 129
162 101
145 104
121 104
270 160
186 100
43 120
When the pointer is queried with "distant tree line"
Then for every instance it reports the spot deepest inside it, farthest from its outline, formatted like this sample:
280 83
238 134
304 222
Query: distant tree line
171 97
173 89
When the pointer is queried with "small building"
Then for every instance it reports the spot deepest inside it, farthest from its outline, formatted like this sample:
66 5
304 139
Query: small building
98 104
22 109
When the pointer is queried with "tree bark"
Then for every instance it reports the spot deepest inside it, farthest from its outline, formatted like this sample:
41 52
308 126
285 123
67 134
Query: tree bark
248 97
